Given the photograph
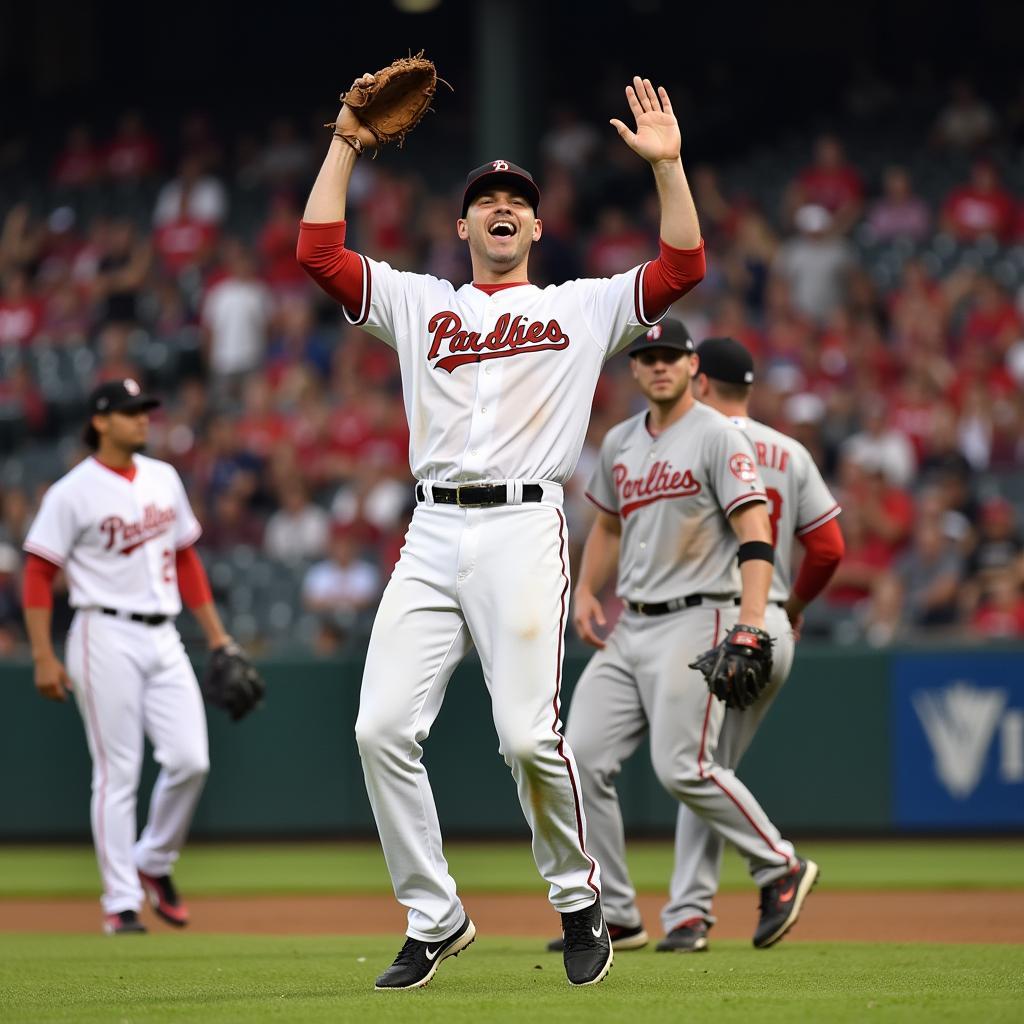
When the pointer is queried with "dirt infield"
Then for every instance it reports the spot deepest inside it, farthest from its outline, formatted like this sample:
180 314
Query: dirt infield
863 916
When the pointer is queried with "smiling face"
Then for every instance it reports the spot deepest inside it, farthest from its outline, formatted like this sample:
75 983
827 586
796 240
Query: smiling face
500 226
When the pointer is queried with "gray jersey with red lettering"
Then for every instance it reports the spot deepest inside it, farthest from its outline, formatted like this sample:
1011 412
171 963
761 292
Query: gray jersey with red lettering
673 494
799 500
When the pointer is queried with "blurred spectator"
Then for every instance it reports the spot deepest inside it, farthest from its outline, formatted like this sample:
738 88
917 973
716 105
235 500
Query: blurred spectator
966 122
21 313
276 244
898 213
815 264
298 530
1000 613
980 208
10 601
387 217
617 244
571 141
15 516
830 182
230 523
878 447
998 551
121 272
133 153
286 159
296 341
750 257
340 587
921 591
79 164
887 510
193 197
236 316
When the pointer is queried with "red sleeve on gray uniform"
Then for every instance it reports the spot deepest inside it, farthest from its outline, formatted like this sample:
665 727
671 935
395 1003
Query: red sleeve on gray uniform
824 549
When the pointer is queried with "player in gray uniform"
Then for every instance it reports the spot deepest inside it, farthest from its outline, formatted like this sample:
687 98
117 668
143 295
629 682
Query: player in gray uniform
682 514
800 505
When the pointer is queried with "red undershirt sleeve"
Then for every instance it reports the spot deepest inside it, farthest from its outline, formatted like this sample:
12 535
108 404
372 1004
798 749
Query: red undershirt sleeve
338 271
192 580
823 551
37 582
671 276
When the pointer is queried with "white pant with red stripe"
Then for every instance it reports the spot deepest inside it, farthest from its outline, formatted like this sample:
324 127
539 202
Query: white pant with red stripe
132 680
639 684
497 579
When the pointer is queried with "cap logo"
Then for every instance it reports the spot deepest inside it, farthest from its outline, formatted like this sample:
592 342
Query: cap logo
748 377
500 165
654 333
131 387
102 403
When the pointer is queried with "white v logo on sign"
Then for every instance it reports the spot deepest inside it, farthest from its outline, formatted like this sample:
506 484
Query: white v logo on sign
960 722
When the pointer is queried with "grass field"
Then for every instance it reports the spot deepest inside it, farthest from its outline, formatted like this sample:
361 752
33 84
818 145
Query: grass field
297 868
226 978
186 976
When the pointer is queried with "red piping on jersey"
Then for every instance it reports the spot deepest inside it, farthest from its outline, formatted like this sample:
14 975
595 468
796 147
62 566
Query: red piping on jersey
594 501
34 548
490 289
815 523
752 496
127 474
556 708
714 778
101 757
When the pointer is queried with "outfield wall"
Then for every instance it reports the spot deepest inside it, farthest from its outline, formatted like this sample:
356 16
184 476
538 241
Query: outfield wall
858 741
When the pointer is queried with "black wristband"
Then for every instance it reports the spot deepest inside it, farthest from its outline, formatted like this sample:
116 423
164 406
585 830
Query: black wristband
758 549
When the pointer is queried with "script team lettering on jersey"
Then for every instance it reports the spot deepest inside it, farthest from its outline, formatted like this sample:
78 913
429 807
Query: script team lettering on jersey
663 481
155 522
511 336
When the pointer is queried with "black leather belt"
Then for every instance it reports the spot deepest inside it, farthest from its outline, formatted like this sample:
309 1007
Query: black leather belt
477 495
147 620
690 601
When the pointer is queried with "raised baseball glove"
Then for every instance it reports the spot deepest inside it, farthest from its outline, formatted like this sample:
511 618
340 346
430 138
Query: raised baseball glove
739 668
397 99
230 682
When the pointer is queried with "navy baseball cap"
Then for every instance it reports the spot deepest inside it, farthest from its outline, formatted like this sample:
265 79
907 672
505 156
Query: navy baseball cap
500 172
668 334
115 396
725 359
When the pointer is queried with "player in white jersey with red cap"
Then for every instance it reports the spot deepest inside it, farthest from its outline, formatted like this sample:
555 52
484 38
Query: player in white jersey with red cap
498 378
683 521
120 526
800 506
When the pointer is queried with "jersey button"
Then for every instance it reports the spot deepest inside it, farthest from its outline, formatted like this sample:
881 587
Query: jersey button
643 544
483 408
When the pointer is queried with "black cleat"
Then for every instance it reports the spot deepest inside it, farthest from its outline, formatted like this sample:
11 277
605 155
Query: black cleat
124 923
781 902
587 947
417 961
689 937
623 938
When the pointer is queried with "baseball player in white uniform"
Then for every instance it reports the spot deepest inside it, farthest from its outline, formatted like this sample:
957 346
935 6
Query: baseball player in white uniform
498 377
120 526
800 506
682 517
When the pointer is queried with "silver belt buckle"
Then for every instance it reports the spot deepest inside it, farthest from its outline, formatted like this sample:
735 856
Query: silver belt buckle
466 504
639 607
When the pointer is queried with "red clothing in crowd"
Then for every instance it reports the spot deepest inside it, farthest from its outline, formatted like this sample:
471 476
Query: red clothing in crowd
989 620
831 187
20 320
972 213
181 243
132 156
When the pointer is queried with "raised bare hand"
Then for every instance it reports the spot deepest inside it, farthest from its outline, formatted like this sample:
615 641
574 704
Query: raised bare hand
657 131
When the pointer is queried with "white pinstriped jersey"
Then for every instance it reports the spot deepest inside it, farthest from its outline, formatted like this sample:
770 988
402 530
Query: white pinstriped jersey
673 494
799 500
115 538
498 387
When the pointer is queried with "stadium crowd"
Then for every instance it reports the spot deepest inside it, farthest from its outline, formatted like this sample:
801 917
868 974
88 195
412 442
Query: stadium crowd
882 297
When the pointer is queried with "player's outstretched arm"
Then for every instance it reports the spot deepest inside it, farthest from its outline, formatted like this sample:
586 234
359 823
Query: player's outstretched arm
326 203
600 557
657 139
